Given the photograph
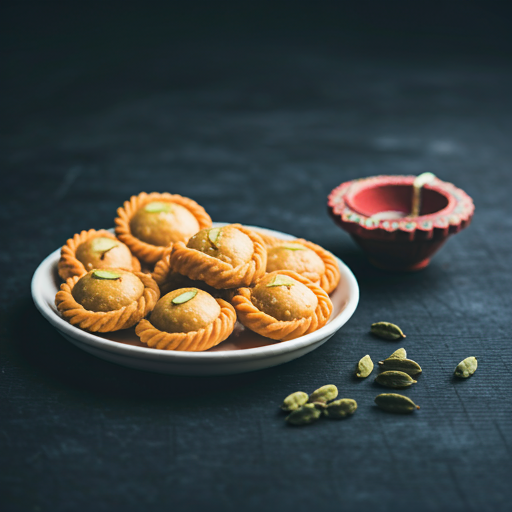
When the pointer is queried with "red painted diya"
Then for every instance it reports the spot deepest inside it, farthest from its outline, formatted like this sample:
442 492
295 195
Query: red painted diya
376 212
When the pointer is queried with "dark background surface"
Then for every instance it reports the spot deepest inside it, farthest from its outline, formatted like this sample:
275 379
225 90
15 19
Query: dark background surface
257 111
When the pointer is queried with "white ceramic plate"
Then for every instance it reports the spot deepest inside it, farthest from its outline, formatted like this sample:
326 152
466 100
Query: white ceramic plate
243 351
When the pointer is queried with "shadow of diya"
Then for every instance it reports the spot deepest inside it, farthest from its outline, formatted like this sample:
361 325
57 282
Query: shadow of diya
376 213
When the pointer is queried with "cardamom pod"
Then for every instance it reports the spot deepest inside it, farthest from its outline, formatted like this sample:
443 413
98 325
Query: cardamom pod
466 368
398 354
401 365
393 402
364 367
387 331
304 415
341 408
393 379
319 405
324 394
294 401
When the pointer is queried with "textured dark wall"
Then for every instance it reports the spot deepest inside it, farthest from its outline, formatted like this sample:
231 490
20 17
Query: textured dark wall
257 112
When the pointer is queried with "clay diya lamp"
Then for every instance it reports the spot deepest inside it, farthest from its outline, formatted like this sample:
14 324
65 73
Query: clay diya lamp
376 211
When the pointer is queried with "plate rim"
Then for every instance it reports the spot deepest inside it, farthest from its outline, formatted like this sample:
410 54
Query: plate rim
200 358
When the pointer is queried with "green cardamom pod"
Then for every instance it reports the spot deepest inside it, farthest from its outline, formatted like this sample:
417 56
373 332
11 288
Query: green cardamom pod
387 331
364 367
324 394
340 408
304 415
393 402
401 365
466 368
398 354
294 401
393 379
319 405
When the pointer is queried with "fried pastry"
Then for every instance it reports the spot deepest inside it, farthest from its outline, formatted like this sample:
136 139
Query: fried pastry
187 319
94 249
283 305
148 223
222 257
105 300
306 258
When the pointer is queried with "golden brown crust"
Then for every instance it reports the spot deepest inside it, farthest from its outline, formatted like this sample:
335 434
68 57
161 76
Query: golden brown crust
266 325
70 266
147 252
331 277
269 240
168 280
216 273
122 318
194 341
163 267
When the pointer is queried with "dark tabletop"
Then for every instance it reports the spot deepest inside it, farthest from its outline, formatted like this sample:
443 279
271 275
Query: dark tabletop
257 112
